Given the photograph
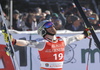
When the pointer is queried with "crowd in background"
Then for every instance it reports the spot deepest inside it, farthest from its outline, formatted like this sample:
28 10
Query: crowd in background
68 18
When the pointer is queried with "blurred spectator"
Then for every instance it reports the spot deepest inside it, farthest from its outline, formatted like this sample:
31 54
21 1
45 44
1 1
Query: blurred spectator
16 20
22 23
48 15
58 24
88 12
31 23
54 17
42 17
38 13
94 21
61 16
6 20
76 12
76 24
69 21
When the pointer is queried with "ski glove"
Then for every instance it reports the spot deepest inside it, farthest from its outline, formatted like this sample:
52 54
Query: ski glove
6 37
87 32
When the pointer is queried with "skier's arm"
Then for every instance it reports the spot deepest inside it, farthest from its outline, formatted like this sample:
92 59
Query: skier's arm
78 37
71 39
32 43
17 42
22 42
85 34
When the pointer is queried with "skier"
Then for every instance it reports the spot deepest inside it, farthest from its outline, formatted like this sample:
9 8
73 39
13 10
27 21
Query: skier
51 48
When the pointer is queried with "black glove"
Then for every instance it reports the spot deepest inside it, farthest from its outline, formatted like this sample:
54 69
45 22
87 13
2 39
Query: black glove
87 32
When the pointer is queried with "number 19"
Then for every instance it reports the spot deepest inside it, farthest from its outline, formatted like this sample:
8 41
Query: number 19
60 56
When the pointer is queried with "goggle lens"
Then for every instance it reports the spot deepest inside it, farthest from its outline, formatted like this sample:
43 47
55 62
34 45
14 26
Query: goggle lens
48 24
91 18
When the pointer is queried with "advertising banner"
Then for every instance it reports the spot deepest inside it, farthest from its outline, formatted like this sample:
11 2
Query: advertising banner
75 57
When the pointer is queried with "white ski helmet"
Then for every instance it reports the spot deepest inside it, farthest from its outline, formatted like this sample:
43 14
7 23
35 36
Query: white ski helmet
41 28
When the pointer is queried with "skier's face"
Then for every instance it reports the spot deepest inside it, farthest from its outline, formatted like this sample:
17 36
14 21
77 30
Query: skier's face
50 28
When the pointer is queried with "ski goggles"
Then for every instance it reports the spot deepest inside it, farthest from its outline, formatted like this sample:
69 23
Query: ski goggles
48 24
91 18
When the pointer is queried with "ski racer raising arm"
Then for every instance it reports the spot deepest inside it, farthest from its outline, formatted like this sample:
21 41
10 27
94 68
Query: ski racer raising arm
51 45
